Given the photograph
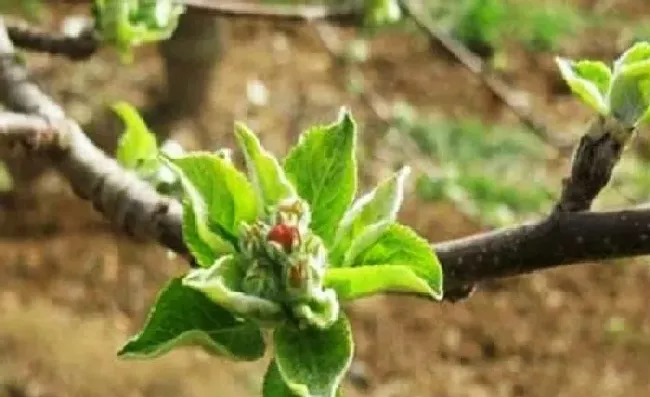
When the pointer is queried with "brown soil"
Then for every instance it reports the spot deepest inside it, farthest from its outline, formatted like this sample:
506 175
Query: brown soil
73 288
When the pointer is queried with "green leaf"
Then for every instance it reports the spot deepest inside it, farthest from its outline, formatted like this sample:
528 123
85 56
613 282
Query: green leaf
216 188
357 282
204 238
584 88
368 217
221 284
137 145
204 245
268 177
274 385
381 12
323 168
639 52
400 245
312 361
596 72
125 24
182 317
629 99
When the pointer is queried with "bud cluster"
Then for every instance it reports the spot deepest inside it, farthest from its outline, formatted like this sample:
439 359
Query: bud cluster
286 263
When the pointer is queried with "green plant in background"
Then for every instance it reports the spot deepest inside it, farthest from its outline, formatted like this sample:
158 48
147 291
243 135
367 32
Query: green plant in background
480 25
29 8
280 251
543 27
484 25
494 174
125 24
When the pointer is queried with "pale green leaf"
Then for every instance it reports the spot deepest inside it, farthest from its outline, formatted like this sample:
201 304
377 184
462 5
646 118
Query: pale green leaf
628 98
204 249
358 282
228 197
312 361
136 145
204 238
365 221
323 168
596 72
639 52
268 177
586 90
184 317
399 245
221 283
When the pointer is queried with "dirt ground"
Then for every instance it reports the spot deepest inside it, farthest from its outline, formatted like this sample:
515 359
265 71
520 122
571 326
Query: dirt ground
72 288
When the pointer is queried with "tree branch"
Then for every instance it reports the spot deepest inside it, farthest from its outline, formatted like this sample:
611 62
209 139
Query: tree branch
124 199
343 15
562 239
594 159
77 48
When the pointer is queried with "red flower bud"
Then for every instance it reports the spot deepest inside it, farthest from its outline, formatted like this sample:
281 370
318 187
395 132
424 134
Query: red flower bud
284 235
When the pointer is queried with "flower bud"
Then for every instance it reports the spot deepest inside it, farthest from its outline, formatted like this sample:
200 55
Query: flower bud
285 235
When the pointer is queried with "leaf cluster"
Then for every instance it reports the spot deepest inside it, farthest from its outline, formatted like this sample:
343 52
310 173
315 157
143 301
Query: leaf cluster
358 249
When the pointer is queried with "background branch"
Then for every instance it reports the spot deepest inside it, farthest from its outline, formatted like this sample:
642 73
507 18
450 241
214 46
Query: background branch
475 65
77 47
342 15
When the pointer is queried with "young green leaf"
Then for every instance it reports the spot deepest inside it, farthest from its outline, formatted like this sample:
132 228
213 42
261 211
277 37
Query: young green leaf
639 52
400 245
312 361
368 217
204 238
221 282
357 282
629 99
380 12
137 145
268 177
228 195
596 72
204 245
274 385
323 168
125 24
586 89
182 316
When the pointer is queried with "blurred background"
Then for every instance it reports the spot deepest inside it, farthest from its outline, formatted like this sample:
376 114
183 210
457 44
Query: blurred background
72 288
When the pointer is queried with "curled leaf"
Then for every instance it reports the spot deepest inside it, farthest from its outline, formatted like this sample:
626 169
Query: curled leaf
269 179
367 218
220 283
587 87
639 52
137 146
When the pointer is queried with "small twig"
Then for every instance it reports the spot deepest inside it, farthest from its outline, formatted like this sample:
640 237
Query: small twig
33 39
475 65
21 134
595 157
